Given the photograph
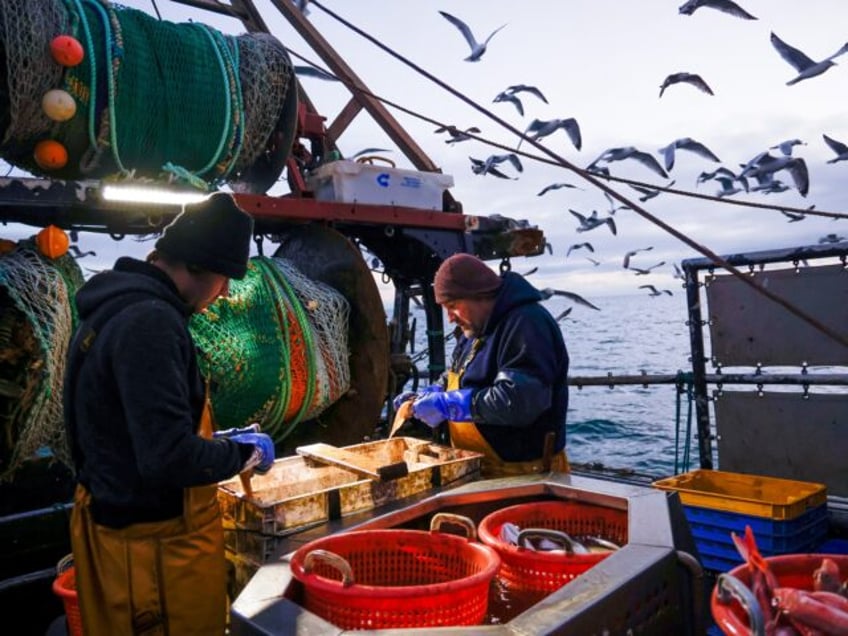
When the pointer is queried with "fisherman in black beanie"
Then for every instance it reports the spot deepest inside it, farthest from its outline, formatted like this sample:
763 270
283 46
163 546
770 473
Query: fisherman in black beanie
140 431
213 235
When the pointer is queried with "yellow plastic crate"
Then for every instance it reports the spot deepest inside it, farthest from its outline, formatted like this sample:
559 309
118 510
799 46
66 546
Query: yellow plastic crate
754 495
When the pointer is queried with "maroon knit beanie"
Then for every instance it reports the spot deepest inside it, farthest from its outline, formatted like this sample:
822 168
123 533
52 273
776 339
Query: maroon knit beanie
464 276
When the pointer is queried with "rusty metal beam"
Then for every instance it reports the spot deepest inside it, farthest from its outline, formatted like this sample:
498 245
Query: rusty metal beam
360 92
344 118
243 10
262 207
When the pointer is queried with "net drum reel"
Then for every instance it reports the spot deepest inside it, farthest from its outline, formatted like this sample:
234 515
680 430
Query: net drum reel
150 99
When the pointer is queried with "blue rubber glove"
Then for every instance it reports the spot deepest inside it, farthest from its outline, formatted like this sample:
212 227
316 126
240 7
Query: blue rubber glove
400 398
436 407
262 457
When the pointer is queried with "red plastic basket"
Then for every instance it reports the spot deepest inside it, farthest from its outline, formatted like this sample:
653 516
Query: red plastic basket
64 586
791 570
372 579
531 570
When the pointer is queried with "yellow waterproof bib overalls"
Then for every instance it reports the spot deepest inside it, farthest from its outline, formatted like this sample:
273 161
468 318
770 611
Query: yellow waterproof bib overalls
160 578
467 436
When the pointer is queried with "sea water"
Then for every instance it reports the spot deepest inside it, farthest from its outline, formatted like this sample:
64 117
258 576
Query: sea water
628 426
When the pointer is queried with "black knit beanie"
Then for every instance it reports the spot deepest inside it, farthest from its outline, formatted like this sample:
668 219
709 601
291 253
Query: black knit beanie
213 234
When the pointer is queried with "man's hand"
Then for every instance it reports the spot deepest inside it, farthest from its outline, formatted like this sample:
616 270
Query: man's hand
436 407
406 396
262 457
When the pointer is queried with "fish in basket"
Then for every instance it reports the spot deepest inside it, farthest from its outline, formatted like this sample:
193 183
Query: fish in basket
544 545
786 595
374 579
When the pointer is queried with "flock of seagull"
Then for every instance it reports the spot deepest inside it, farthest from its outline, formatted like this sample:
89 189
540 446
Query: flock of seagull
757 175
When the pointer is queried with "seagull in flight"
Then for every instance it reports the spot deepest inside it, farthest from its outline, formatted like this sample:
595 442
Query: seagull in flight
539 128
656 292
488 166
785 147
805 66
457 135
509 95
593 261
838 147
793 217
368 151
556 186
718 172
795 166
614 206
477 48
644 271
727 187
725 6
649 193
547 292
630 152
591 222
686 78
685 143
631 253
77 253
307 70
577 246
564 314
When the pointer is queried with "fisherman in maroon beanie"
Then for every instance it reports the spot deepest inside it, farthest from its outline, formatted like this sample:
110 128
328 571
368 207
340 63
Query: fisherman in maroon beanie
505 394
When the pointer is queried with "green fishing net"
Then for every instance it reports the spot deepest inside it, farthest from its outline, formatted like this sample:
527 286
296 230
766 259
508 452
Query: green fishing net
37 318
275 349
154 98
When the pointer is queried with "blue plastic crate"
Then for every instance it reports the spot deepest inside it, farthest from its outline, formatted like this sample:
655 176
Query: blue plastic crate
834 546
712 529
760 525
773 537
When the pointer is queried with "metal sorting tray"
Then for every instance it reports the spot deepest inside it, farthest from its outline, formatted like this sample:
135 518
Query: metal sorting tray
298 491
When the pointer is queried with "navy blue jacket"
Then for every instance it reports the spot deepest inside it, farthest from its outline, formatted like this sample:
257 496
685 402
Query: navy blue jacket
133 401
518 374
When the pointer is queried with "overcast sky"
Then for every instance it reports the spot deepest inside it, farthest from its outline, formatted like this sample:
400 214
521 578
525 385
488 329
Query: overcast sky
601 62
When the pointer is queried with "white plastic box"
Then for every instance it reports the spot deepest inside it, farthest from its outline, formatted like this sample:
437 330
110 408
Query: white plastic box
354 182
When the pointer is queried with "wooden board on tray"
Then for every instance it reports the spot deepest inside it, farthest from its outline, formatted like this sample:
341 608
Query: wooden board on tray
355 462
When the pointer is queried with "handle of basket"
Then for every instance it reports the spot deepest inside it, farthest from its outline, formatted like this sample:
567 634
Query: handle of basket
370 159
729 587
458 520
562 539
333 560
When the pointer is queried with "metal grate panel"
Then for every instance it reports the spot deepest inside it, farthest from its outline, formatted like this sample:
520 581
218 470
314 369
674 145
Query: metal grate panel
746 328
789 437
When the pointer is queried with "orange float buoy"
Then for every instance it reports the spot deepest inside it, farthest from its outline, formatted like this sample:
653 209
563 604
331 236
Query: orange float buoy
52 241
7 246
66 50
58 105
50 154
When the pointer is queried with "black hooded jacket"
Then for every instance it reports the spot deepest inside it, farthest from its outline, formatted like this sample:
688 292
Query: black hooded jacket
518 374
133 400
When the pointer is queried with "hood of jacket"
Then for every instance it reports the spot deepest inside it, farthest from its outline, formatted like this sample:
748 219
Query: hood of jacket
514 291
129 277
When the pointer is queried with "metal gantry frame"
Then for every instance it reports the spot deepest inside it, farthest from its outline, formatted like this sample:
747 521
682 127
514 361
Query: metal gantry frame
702 380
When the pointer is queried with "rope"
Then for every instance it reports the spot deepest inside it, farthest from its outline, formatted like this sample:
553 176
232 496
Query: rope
683 466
